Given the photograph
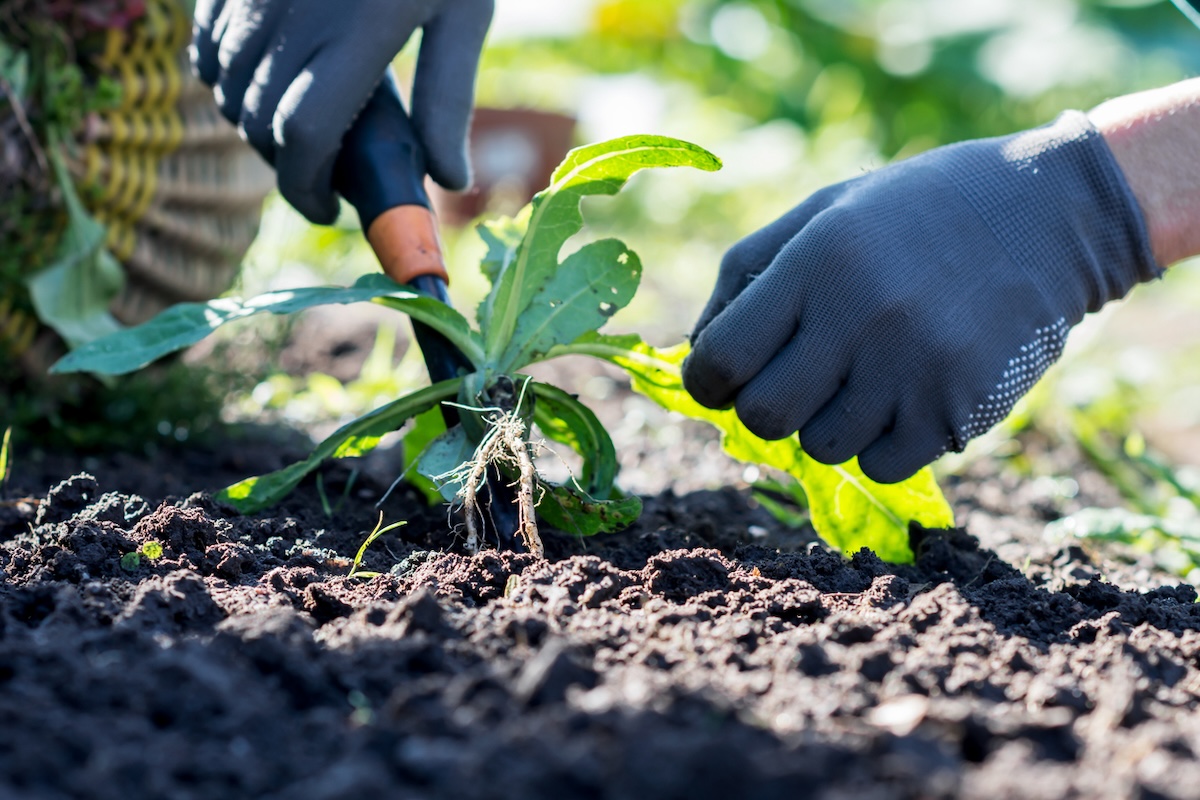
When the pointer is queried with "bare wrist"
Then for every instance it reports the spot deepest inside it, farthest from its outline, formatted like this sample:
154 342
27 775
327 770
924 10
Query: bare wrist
1155 138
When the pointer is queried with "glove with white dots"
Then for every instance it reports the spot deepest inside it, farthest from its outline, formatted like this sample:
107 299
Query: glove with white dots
899 314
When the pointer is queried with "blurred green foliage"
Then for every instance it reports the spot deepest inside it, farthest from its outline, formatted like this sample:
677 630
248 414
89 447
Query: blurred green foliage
911 73
1127 398
796 94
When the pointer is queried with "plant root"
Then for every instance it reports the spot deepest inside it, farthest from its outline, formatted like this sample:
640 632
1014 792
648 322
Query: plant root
505 448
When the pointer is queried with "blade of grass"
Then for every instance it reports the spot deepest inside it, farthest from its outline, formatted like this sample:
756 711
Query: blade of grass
4 458
362 551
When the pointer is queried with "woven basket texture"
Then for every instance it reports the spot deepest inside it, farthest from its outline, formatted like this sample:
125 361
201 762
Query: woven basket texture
178 191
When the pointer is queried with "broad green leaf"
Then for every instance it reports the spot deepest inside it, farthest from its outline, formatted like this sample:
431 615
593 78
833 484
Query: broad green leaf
185 324
554 217
564 419
442 461
592 285
849 510
427 426
574 512
502 237
354 438
73 293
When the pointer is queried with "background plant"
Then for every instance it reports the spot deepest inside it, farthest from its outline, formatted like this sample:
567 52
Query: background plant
47 90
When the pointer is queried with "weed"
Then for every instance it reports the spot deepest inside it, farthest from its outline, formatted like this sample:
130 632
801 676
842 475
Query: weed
4 450
331 510
356 570
784 500
133 559
539 308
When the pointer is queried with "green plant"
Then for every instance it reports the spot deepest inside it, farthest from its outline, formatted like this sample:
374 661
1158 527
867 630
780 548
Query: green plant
133 559
4 450
539 308
356 570
331 509
52 255
1162 513
785 501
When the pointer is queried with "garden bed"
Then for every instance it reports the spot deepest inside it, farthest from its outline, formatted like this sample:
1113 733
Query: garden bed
707 652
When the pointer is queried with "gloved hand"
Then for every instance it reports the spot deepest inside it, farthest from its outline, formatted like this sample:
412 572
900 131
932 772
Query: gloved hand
901 313
293 74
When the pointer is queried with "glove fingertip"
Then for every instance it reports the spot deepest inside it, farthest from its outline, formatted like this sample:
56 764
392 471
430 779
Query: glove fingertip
317 209
444 89
452 173
204 62
890 460
207 30
447 154
311 194
703 385
229 106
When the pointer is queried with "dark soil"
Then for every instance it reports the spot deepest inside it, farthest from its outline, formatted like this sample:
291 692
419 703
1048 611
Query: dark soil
706 653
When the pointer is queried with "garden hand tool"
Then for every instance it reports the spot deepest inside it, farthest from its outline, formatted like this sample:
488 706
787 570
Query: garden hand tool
381 172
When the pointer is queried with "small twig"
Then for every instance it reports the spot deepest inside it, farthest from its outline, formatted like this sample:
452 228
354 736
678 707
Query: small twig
7 90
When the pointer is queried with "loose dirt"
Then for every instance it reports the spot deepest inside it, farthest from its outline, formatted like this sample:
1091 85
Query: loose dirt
708 652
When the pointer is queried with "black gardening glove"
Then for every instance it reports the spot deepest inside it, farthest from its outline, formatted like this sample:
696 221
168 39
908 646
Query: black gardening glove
901 313
293 74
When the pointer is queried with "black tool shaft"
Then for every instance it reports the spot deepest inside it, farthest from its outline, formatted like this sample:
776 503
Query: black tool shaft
381 167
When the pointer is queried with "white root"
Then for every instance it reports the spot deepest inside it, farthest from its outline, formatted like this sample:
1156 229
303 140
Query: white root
504 445
525 484
470 501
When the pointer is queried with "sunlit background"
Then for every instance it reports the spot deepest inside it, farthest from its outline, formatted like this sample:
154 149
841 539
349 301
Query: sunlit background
793 95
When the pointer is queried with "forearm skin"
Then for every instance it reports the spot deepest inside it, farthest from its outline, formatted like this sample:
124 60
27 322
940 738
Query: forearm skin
1155 138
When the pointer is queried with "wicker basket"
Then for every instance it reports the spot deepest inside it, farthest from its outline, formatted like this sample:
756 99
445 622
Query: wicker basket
178 191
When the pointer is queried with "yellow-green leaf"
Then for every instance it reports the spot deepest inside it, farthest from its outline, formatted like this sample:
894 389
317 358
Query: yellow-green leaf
849 510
